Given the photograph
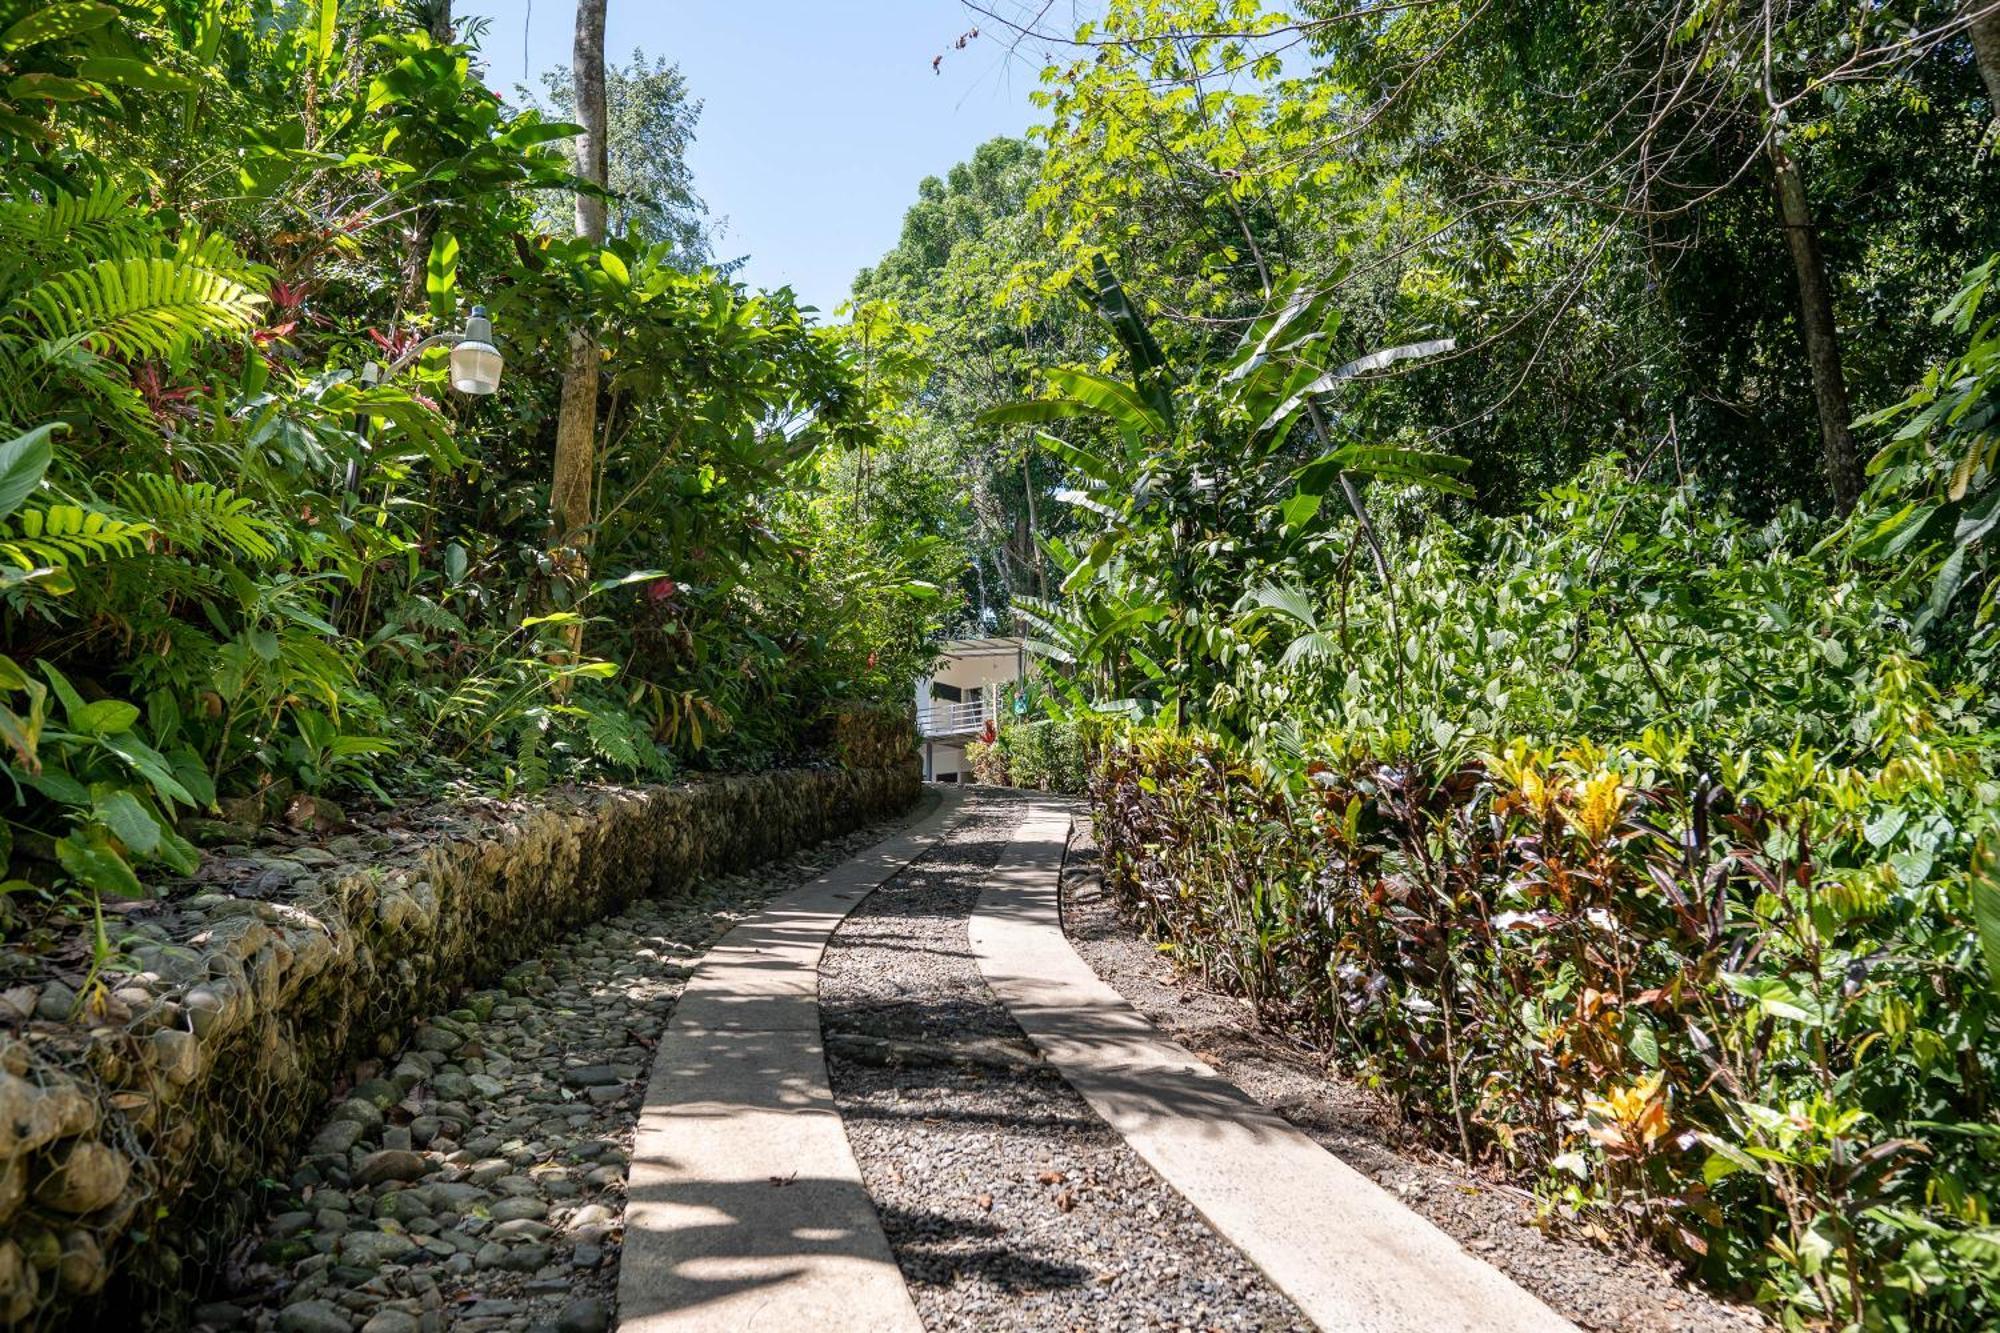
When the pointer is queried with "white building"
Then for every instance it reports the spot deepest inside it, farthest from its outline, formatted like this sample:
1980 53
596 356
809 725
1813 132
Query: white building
966 690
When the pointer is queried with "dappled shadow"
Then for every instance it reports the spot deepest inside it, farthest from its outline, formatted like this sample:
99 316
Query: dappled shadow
925 1243
743 1204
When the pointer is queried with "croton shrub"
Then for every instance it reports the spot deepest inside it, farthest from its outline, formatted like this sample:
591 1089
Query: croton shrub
1744 1006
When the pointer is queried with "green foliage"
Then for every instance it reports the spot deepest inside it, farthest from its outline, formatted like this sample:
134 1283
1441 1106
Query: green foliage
1641 849
1746 1015
1045 755
304 580
1937 488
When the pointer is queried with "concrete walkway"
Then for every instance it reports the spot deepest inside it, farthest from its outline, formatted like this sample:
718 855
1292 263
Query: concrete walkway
746 1209
1347 1253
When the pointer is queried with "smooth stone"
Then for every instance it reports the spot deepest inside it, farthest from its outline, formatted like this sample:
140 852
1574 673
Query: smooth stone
391 1164
314 1317
391 1321
337 1138
383 1092
397 1137
371 1249
508 1210
290 1224
360 1110
591 1076
523 1226
587 1314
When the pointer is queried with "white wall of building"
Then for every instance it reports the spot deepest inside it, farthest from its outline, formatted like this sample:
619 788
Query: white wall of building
988 667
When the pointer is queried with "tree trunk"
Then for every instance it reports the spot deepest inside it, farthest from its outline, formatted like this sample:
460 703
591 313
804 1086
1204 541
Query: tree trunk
576 422
1822 339
1985 31
1034 527
591 147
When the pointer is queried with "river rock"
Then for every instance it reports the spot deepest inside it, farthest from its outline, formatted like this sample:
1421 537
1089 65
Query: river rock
372 1249
391 1164
314 1317
587 1314
85 1176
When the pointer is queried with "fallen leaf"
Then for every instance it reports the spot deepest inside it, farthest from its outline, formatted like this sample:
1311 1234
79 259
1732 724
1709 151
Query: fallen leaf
1052 1177
985 1201
1066 1200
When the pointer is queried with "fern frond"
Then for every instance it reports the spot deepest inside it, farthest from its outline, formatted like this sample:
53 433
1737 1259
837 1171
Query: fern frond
67 536
612 735
531 758
196 514
102 220
419 612
218 254
136 307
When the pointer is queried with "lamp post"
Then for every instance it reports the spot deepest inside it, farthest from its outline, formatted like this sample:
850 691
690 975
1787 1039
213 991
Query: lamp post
475 361
475 368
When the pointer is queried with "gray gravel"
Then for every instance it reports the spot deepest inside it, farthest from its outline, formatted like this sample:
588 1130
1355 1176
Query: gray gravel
1008 1203
477 1180
1621 1292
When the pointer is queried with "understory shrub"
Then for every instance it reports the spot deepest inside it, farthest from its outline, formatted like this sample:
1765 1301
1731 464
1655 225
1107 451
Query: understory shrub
1746 1009
1041 756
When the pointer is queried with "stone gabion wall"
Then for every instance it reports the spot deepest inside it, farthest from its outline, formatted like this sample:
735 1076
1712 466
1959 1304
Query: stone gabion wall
137 1118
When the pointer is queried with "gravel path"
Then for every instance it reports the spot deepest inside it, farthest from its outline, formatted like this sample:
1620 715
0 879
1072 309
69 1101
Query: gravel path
1616 1293
1008 1203
478 1181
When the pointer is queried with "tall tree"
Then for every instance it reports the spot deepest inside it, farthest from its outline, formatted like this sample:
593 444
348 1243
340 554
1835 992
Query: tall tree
1983 24
576 422
650 120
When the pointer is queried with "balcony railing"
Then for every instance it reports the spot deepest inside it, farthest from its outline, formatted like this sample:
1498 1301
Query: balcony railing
964 719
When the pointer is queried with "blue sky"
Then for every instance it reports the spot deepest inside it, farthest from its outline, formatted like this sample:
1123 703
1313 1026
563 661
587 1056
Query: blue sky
820 116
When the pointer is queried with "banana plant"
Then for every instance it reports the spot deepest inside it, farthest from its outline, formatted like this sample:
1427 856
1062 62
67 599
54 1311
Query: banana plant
1178 477
1936 494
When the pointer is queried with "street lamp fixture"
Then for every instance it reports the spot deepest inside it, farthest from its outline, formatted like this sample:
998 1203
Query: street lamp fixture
475 370
475 360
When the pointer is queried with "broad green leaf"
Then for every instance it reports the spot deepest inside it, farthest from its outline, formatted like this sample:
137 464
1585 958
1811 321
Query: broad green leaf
149 764
129 820
1299 510
441 275
51 23
89 857
328 19
1983 884
1032 413
125 73
23 462
1121 402
105 717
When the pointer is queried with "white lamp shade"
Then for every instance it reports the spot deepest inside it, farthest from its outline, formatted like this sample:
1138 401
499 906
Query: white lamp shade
475 367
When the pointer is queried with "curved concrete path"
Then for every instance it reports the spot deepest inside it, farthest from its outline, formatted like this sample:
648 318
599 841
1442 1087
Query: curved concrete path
746 1208
1347 1253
